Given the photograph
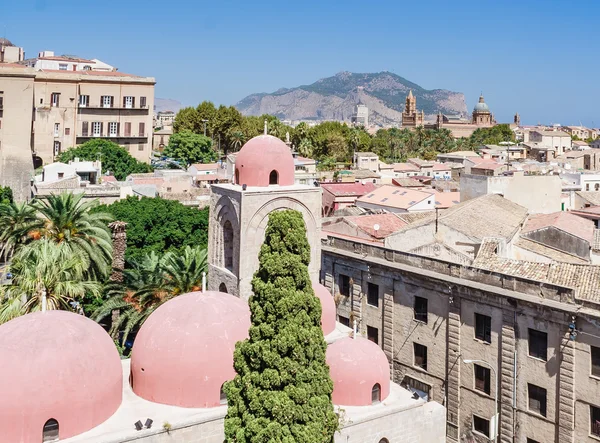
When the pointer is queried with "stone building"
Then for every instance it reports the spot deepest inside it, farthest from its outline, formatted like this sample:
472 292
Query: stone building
10 53
410 117
537 325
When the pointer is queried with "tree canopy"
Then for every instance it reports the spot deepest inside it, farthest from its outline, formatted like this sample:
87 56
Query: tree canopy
6 195
282 390
159 225
189 147
115 159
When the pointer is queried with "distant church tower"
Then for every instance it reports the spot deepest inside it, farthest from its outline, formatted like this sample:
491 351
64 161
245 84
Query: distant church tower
410 116
481 113
264 182
517 120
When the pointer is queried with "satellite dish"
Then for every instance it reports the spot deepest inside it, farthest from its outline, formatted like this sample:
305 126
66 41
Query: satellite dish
376 227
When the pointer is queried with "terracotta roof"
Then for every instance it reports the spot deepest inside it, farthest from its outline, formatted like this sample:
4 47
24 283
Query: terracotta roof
395 197
348 189
206 177
488 164
407 182
12 65
420 162
590 196
460 154
91 73
66 59
592 210
565 221
551 133
205 166
441 167
405 167
444 200
388 224
109 178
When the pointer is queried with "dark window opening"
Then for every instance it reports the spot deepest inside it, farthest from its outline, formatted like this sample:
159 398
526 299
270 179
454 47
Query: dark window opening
344 284
237 176
482 379
595 421
373 294
228 245
376 393
373 334
483 328
481 425
50 432
413 385
531 440
223 288
538 344
537 399
222 395
420 308
595 352
273 177
420 356
344 320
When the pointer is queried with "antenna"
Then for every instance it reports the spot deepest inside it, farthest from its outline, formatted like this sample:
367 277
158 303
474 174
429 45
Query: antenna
265 127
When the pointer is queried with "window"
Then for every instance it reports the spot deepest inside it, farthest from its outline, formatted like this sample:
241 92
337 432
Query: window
597 187
87 68
587 186
107 101
55 99
538 344
112 129
84 129
1 102
96 129
537 399
483 328
222 395
376 393
482 378
595 421
595 354
344 284
413 385
128 102
50 431
481 425
56 129
142 129
128 129
420 353
372 294
223 288
373 334
531 440
56 148
61 175
228 245
140 146
420 309
142 102
344 320
62 67
273 177
84 101
67 131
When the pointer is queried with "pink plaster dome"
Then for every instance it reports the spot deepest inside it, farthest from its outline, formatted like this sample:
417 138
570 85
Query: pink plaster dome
360 372
56 365
328 310
183 352
264 160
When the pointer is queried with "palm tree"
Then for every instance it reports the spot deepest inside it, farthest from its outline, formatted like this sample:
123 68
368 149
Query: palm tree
237 139
68 219
17 221
305 148
184 271
45 271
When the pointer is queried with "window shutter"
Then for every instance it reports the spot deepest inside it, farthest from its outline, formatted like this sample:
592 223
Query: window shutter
142 102
112 101
142 128
124 101
118 129
101 129
133 102
128 129
84 129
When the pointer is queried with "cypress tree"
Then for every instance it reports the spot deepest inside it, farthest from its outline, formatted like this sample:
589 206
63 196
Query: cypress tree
282 390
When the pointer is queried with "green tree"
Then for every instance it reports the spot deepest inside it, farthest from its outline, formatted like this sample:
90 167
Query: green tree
187 119
115 159
237 139
17 221
282 390
159 225
493 135
45 269
189 148
6 195
184 270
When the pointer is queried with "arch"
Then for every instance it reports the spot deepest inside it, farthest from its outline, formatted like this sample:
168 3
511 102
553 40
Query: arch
223 288
274 177
237 176
384 440
50 431
597 187
228 245
222 395
376 393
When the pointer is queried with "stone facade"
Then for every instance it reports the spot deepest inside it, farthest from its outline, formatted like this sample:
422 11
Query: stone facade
515 312
411 117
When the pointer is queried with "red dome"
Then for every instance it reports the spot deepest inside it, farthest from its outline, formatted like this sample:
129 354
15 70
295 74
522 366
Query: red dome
264 160
356 365
56 365
327 307
183 353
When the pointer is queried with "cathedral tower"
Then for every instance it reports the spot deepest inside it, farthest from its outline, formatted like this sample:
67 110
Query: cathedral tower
410 116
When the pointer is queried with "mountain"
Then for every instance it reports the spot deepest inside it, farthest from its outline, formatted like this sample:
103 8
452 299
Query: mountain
334 98
166 104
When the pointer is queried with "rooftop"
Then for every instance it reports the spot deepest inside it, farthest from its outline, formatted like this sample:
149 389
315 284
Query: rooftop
565 221
590 196
549 252
444 200
395 197
348 189
460 154
547 133
387 223
405 167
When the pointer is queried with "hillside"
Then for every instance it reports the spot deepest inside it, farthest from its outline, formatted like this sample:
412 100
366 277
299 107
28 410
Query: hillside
334 98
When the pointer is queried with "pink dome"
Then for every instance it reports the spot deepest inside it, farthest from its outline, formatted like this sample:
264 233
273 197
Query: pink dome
356 366
183 352
56 365
259 158
327 307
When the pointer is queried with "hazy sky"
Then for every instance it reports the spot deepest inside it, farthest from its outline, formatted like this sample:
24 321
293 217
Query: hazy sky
540 58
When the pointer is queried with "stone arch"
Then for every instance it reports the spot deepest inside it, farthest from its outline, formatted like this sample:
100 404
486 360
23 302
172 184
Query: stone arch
274 177
223 288
227 231
225 214
50 430
376 393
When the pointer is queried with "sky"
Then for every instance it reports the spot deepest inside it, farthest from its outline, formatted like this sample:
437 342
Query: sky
538 58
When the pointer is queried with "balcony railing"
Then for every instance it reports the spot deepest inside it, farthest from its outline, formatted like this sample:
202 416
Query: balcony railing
115 108
109 136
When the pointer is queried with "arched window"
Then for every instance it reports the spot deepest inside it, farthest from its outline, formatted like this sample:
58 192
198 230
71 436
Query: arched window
228 245
384 440
273 177
50 432
597 187
222 395
237 176
376 393
223 288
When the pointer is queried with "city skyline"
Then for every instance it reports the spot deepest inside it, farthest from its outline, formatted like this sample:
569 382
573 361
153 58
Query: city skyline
514 53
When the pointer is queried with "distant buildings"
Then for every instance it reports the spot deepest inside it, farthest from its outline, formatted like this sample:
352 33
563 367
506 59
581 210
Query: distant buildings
47 60
10 53
361 115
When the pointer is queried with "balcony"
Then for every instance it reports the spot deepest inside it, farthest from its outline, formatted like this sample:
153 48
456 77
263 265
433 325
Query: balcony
114 137
95 107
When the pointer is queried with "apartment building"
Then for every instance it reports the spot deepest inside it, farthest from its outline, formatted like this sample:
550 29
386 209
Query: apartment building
527 333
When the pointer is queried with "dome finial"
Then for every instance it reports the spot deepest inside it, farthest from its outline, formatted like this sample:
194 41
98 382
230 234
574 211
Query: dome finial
265 127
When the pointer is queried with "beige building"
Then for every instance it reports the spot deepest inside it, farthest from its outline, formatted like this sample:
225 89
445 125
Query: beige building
366 160
10 53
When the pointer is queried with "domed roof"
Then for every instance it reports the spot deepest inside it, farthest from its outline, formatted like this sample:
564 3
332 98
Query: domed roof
5 42
356 365
481 106
328 310
183 352
259 157
56 365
